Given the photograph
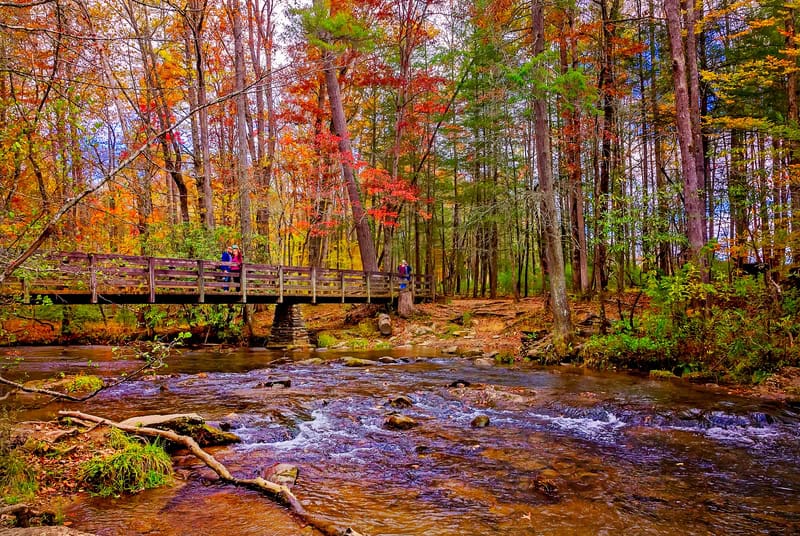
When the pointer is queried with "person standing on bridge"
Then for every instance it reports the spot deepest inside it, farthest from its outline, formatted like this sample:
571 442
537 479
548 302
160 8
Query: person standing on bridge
404 271
227 256
236 265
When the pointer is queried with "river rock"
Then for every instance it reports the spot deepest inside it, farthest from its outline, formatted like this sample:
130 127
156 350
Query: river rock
388 360
450 350
401 402
188 424
480 421
282 473
358 362
285 382
399 422
460 383
472 352
484 362
311 361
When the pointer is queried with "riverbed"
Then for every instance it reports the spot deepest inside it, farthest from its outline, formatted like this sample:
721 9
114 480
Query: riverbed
566 451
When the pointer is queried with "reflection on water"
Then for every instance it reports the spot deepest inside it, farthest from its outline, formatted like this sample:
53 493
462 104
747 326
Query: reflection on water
566 452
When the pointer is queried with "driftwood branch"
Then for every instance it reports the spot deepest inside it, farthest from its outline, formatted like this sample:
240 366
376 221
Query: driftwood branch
279 493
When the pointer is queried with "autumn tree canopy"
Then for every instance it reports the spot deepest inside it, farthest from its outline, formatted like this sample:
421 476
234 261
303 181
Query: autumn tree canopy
354 133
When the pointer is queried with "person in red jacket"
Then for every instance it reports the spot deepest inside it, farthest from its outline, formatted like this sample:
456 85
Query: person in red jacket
236 266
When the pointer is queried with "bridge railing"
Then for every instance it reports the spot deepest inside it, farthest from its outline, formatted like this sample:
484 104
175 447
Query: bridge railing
90 278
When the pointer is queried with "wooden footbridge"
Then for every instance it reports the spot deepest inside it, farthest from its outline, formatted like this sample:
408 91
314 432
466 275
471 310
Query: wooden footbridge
81 278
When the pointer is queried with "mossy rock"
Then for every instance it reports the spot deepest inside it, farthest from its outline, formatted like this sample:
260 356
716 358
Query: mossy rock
662 375
357 362
188 424
700 376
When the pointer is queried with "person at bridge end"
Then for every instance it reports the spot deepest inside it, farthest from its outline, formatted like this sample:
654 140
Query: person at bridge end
404 271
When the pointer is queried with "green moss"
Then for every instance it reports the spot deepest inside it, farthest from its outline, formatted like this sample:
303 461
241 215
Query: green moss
661 375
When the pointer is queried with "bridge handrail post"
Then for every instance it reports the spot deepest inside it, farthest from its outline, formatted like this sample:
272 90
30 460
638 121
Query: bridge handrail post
201 280
341 283
151 278
243 277
313 275
93 277
391 286
280 284
368 275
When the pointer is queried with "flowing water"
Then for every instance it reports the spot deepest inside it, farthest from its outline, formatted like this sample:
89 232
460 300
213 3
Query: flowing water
566 451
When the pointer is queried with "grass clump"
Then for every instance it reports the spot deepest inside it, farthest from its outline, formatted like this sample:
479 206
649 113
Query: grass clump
17 476
325 340
358 344
135 465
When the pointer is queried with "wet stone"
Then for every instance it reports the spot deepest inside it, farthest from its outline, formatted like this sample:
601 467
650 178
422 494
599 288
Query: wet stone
481 421
282 473
311 361
401 401
357 362
460 383
285 382
399 422
484 362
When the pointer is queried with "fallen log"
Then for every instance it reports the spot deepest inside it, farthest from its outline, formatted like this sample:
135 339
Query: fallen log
279 493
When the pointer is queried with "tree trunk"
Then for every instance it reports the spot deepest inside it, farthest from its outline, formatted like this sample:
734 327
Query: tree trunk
243 168
562 332
366 246
691 187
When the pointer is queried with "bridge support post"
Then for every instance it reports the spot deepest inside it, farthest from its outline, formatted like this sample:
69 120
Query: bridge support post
288 327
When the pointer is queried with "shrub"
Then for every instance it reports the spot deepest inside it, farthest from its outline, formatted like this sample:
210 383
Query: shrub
84 384
134 466
627 350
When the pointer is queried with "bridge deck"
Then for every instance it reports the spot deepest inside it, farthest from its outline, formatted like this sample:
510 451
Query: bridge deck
77 278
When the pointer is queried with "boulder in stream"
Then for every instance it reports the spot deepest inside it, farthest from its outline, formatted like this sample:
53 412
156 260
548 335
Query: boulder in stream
282 473
188 424
480 421
350 361
284 382
399 422
401 401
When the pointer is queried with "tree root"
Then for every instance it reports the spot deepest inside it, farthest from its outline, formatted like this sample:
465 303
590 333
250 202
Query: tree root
279 493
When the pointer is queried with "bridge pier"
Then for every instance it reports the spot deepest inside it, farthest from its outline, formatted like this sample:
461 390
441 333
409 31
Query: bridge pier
288 327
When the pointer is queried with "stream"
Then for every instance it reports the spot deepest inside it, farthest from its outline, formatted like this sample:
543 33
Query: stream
567 451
